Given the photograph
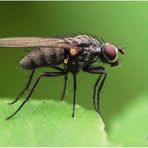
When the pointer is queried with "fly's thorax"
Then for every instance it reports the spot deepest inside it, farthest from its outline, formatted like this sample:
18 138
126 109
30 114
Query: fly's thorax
89 54
86 56
81 41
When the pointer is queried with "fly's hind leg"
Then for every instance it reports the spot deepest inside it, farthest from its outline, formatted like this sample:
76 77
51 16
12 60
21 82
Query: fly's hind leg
45 74
26 87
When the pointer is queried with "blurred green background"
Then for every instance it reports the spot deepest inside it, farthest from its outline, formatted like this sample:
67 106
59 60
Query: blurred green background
122 23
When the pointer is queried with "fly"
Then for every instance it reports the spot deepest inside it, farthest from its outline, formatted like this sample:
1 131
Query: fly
75 54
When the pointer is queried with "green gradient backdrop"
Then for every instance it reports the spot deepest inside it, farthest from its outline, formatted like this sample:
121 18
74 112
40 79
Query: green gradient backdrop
122 23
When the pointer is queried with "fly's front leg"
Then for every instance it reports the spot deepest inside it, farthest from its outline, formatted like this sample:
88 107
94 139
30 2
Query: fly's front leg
98 84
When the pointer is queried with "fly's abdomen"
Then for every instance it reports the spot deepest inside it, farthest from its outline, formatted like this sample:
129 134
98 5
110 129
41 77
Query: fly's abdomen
43 56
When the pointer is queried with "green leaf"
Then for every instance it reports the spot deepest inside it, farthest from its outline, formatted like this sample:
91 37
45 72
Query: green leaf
49 123
130 128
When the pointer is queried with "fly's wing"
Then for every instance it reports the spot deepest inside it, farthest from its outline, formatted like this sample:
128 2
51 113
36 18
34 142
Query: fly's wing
34 42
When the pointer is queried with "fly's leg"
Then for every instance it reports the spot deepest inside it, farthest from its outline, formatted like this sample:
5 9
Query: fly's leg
64 89
96 101
26 87
74 98
99 83
45 74
66 58
65 79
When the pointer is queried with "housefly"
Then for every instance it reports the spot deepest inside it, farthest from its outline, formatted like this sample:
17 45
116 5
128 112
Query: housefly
75 54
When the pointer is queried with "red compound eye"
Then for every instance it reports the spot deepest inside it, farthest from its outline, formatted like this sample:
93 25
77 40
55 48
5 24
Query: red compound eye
110 52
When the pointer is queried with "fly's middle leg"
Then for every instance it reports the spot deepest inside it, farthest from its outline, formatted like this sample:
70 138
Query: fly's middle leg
75 90
66 58
65 79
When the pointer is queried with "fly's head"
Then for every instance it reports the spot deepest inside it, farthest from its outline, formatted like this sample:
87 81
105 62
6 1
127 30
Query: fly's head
109 54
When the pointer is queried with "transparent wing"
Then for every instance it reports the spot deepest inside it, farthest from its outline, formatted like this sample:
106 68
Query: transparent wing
33 42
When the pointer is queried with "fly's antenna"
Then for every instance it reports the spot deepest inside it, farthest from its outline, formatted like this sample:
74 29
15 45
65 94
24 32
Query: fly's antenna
121 50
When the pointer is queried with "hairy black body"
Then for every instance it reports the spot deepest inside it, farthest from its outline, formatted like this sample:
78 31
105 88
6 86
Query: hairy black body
75 53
